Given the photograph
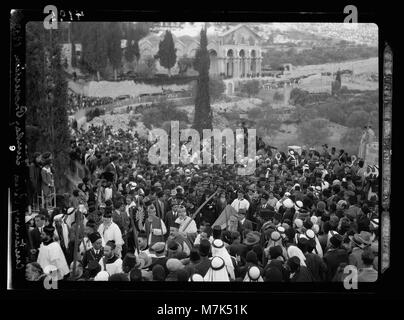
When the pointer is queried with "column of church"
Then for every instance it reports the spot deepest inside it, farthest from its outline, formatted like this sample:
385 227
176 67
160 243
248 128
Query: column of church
236 62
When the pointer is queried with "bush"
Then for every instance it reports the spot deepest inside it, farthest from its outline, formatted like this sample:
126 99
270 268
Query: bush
314 132
216 88
250 88
162 112
278 96
93 113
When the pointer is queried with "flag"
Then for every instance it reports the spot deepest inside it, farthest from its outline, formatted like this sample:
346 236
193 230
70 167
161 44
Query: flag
224 217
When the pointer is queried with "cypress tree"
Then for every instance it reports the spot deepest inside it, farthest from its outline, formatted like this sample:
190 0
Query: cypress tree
203 111
47 99
114 46
167 52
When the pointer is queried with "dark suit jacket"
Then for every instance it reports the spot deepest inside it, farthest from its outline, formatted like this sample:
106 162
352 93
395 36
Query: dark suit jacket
333 258
161 209
316 266
203 266
244 228
36 238
90 255
238 249
112 170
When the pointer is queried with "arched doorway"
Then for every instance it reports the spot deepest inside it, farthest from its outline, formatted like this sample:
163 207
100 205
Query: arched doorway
214 66
229 65
253 62
230 88
242 63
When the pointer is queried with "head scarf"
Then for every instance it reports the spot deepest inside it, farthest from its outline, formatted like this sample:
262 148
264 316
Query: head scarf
294 251
217 271
219 250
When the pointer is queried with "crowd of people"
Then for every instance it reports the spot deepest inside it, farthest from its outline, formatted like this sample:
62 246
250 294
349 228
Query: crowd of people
301 217
75 101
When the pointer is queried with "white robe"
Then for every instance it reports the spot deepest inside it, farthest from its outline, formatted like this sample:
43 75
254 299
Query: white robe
52 254
112 268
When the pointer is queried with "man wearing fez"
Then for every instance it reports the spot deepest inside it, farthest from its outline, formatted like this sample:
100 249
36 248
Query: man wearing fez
110 231
50 253
177 237
96 252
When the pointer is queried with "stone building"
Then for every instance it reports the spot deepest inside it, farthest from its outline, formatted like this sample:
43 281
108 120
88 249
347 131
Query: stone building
235 53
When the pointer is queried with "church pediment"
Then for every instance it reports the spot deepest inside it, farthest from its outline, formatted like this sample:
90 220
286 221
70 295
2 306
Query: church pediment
241 35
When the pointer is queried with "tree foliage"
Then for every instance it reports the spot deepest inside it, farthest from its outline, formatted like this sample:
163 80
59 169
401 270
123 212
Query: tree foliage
275 58
184 63
167 52
47 99
358 119
314 132
94 48
114 45
216 88
203 112
161 113
251 88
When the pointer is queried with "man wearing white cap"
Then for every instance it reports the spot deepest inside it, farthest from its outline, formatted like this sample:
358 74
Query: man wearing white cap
217 271
253 275
219 250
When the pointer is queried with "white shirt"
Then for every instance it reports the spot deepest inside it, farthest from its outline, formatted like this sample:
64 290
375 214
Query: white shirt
191 228
112 232
108 194
240 204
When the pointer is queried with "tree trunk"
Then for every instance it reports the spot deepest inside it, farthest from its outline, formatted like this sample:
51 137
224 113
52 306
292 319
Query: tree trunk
115 74
98 76
169 72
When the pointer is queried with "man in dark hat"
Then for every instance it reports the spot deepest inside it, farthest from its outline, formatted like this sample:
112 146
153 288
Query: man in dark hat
50 253
96 252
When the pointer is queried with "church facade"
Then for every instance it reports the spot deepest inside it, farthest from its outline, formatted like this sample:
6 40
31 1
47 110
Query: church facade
236 53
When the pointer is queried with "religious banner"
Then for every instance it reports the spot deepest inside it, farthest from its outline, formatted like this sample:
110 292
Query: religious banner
225 217
372 154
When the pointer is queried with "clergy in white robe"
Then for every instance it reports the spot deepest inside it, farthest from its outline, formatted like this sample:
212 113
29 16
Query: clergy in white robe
50 253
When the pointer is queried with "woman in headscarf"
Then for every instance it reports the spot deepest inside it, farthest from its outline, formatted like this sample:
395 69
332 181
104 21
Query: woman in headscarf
219 250
217 271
